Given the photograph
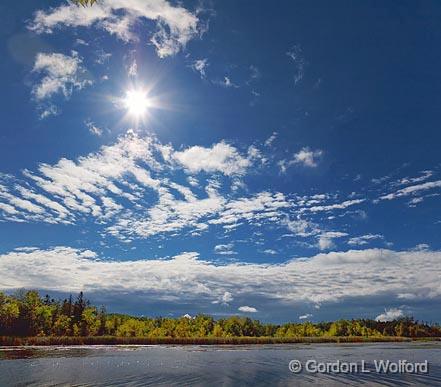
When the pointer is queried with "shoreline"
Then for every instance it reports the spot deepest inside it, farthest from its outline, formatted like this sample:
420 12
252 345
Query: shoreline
113 340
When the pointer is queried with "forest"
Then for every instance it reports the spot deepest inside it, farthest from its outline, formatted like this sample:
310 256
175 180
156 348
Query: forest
27 314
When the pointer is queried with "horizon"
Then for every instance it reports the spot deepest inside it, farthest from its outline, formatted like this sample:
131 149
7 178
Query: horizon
275 162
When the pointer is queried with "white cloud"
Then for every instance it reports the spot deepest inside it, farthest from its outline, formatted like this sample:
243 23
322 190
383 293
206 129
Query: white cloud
193 181
336 206
175 25
296 55
247 309
102 56
200 65
94 129
305 157
226 249
390 315
269 141
48 111
62 73
81 42
128 188
301 227
133 69
264 205
412 180
412 190
228 83
325 241
224 299
421 247
305 316
254 72
321 279
364 239
221 157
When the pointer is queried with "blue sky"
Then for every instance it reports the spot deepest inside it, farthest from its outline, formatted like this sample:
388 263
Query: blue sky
285 163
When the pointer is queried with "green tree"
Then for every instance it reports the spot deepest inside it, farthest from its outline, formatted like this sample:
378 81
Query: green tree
90 322
85 3
9 314
62 326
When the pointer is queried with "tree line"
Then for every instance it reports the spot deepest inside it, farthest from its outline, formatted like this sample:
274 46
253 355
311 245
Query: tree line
26 314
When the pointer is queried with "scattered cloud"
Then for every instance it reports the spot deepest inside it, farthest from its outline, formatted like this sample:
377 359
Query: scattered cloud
61 74
227 82
94 129
226 249
390 315
200 66
421 247
224 299
247 309
175 25
325 240
102 56
127 189
254 72
364 239
221 157
296 55
269 141
305 157
133 69
412 190
413 180
336 206
305 316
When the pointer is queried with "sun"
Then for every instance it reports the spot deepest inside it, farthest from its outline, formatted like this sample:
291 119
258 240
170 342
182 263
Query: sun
136 102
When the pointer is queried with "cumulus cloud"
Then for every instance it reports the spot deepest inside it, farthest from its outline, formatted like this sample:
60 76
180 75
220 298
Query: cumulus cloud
364 239
325 278
247 309
225 249
305 157
224 299
175 25
221 157
138 188
128 188
390 315
325 241
61 74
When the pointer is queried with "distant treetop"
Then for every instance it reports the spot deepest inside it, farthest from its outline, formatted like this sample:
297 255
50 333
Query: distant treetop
84 3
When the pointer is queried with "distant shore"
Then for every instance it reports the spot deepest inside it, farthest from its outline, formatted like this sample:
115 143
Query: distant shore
113 340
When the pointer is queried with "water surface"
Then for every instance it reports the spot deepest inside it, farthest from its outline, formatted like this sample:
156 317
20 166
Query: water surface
210 365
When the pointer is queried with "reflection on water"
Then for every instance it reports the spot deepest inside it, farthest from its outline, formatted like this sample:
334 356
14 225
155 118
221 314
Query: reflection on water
210 365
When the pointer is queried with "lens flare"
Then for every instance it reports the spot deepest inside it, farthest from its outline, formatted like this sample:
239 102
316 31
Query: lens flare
136 103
